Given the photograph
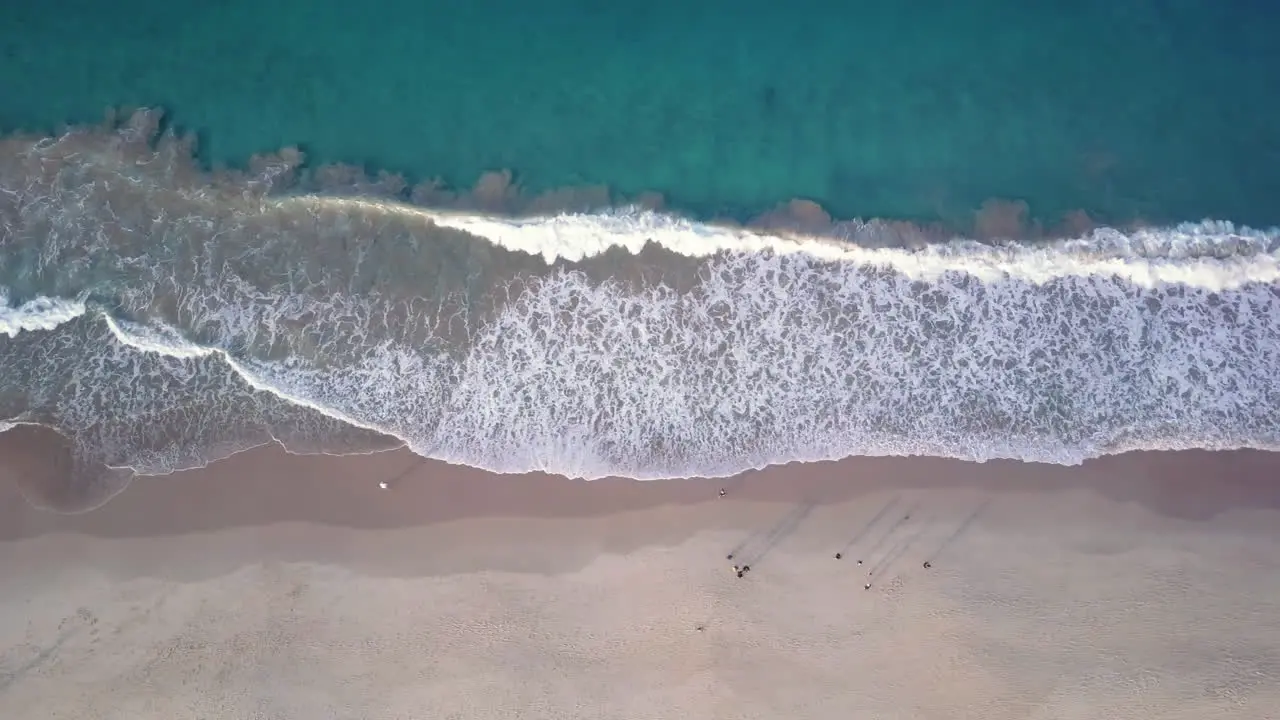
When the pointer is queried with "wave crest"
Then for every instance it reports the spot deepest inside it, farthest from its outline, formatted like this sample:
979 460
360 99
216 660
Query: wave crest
40 313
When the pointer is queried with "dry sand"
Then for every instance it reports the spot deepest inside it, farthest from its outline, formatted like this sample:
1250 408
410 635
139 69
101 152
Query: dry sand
278 586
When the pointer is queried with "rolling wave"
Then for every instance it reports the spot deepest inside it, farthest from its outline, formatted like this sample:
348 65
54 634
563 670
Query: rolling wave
40 313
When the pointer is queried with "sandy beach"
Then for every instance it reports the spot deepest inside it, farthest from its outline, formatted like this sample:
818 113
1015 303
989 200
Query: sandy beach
270 585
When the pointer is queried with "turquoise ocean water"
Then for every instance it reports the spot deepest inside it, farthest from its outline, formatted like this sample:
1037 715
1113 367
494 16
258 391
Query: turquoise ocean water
1150 108
198 316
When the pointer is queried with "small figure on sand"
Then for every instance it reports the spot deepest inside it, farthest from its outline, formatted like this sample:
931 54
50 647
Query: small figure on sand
721 492
839 555
927 564
867 586
859 562
383 485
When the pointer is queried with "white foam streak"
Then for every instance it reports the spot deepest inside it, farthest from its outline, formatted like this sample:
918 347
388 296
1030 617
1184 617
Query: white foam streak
166 341
160 340
279 390
1147 257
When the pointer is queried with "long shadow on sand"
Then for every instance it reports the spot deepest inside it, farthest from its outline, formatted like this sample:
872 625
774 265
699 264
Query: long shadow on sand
269 487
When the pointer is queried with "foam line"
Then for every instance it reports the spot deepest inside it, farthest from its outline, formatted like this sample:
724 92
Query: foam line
1104 252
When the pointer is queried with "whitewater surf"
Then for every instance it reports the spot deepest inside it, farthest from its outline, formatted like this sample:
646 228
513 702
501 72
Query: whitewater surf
161 316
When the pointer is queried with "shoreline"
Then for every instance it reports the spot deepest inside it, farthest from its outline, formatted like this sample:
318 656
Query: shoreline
287 586
268 485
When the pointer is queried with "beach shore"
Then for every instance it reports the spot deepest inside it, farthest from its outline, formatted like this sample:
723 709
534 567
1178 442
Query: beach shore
272 585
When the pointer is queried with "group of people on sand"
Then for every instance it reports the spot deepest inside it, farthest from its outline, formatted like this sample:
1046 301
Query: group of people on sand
741 570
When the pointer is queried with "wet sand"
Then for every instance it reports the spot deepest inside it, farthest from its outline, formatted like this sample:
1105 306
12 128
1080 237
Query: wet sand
278 586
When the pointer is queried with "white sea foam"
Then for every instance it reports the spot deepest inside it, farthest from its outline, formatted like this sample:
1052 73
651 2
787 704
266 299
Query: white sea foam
41 313
1144 257
784 349
168 342
1046 354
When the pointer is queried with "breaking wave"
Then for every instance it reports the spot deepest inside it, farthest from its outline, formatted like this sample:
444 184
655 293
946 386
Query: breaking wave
161 317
